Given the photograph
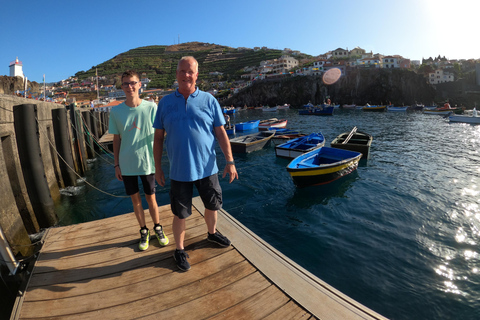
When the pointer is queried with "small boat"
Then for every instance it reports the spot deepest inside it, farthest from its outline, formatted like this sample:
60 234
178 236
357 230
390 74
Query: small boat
245 126
416 107
349 106
322 165
437 111
392 108
284 135
322 110
296 147
474 119
229 110
374 108
251 142
269 109
285 106
354 141
272 124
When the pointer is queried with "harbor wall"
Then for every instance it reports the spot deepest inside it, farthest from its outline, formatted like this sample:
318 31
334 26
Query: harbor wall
43 149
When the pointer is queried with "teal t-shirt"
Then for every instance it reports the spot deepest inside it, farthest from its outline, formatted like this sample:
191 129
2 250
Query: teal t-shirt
135 127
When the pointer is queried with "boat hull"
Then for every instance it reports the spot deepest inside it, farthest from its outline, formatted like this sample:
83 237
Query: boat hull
323 111
464 119
280 124
245 126
359 142
322 166
374 108
251 142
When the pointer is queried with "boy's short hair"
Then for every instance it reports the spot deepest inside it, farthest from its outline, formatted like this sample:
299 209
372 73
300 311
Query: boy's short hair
130 73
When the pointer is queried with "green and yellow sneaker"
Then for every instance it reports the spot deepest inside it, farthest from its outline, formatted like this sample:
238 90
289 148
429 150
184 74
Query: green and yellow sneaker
144 239
162 238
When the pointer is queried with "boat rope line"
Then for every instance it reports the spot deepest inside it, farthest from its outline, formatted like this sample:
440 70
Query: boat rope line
80 177
100 146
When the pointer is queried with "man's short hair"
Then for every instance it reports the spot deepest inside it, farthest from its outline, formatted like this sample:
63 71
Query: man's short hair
130 73
188 58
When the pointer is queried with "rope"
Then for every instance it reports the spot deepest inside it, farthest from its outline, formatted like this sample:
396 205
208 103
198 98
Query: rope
80 177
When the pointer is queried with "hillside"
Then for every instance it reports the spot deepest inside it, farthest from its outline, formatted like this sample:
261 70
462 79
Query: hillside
160 62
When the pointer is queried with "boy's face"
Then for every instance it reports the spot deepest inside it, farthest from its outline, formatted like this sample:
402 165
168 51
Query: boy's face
131 85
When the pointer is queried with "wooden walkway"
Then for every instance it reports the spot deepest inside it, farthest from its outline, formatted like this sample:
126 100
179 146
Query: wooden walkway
94 270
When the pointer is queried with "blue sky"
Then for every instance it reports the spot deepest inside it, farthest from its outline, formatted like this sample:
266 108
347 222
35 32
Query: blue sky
60 38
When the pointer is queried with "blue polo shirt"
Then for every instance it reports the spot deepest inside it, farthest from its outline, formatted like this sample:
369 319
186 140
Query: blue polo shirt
190 139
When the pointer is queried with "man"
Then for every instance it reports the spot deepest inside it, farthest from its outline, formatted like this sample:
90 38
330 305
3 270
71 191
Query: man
131 124
192 119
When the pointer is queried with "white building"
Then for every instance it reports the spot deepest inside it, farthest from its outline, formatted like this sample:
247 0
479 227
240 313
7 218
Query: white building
440 76
391 62
16 68
284 63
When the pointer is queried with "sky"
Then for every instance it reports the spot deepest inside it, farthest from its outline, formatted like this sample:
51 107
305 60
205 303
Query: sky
59 38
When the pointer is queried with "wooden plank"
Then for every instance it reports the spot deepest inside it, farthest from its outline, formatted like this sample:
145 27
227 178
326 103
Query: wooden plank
313 294
290 310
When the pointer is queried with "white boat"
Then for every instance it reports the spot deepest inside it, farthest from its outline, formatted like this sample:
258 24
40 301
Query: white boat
465 119
397 109
269 109
285 106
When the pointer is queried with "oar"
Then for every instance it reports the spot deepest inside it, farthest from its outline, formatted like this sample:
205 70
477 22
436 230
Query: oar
350 135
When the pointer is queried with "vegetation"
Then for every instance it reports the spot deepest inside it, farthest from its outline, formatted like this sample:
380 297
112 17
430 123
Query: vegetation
159 63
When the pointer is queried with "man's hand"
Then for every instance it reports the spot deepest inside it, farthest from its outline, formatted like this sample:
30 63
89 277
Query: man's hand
231 170
160 177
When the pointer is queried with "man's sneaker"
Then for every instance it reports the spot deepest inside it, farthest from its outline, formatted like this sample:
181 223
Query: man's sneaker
180 257
144 239
162 238
219 239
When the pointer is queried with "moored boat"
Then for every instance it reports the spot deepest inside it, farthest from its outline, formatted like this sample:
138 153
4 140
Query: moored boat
392 108
322 110
284 135
354 141
285 106
322 165
269 109
272 124
298 146
230 129
437 111
374 108
251 142
474 119
245 126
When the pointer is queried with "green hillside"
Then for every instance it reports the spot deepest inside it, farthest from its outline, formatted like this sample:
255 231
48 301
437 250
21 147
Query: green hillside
160 62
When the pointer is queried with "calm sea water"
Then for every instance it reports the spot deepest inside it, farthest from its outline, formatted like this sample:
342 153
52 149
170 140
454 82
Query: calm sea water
400 234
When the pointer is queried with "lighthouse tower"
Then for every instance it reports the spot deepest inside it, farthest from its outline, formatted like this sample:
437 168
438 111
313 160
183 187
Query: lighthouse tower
16 68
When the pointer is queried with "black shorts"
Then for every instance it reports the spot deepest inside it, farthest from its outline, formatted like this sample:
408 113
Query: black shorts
181 194
131 184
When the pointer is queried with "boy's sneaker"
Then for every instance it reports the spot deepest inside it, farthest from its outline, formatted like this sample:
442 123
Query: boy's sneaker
144 239
162 238
180 257
219 239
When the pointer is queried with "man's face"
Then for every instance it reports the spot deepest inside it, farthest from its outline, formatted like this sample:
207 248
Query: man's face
187 74
131 85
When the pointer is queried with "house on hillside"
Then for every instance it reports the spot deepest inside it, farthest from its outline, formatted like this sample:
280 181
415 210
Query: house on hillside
318 67
283 64
390 62
440 76
374 62
340 53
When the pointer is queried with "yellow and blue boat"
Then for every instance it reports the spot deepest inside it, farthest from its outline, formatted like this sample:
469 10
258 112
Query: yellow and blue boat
322 166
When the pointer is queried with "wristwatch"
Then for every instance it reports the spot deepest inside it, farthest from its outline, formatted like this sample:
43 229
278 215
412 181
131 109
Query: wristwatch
231 162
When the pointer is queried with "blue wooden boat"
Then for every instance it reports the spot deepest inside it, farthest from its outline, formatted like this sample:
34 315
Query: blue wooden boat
245 126
322 110
284 135
230 129
229 110
322 165
296 147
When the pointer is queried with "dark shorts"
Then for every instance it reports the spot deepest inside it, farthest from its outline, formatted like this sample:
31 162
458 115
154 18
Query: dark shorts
181 194
131 184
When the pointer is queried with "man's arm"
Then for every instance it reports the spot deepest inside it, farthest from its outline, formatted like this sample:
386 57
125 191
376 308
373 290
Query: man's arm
116 152
157 155
224 143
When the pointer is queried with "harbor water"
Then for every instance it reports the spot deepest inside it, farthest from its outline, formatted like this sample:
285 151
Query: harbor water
400 234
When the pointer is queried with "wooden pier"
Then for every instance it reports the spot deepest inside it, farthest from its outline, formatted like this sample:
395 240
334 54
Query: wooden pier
94 270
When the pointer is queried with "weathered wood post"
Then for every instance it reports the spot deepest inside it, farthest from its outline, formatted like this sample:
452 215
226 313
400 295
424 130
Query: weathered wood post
78 142
27 134
63 146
